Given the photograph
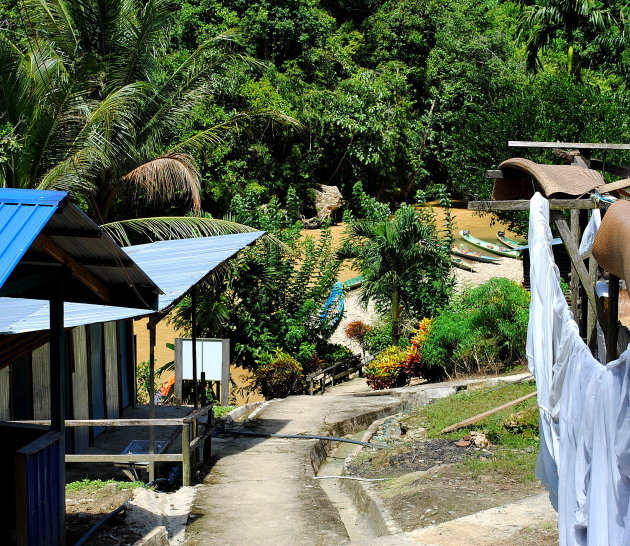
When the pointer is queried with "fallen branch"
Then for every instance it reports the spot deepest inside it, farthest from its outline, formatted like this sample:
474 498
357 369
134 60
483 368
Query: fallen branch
485 414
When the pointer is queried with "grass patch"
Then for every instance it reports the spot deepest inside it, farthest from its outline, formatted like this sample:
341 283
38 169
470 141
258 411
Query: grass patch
94 485
515 466
515 427
222 411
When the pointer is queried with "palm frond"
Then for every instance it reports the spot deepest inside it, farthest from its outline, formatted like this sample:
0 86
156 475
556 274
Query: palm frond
166 176
146 230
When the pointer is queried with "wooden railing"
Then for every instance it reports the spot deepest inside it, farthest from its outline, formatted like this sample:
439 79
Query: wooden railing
191 441
319 380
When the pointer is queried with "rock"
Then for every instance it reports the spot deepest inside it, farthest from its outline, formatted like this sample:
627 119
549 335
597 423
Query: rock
479 439
328 199
462 443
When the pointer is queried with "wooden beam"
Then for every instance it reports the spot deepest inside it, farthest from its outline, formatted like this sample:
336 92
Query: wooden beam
135 458
575 280
574 254
617 170
174 421
523 204
571 145
78 271
485 414
613 317
78 233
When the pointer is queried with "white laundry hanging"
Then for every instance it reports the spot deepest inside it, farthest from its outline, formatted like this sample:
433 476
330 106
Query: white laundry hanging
584 457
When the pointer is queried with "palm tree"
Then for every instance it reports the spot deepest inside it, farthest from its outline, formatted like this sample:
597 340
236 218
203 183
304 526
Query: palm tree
395 256
93 109
543 20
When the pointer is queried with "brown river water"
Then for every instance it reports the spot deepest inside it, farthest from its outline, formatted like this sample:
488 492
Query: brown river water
478 224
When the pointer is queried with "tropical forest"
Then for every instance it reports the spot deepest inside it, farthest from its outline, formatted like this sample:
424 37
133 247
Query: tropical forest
181 118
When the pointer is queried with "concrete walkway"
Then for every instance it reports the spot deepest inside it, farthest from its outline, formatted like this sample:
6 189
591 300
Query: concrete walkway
261 491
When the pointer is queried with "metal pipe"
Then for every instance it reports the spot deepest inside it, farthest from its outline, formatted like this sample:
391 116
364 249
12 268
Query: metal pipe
300 436
98 524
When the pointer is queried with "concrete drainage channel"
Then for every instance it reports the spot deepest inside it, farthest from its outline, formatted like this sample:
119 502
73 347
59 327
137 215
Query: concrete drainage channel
361 512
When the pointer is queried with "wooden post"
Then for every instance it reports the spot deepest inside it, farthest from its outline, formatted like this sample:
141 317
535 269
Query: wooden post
58 366
194 458
203 389
584 304
613 315
186 472
575 280
193 296
151 326
591 330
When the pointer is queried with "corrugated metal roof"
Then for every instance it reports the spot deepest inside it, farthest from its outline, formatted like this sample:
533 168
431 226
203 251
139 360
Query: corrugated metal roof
175 266
42 233
21 221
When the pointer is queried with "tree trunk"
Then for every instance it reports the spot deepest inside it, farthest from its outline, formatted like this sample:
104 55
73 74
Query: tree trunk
395 317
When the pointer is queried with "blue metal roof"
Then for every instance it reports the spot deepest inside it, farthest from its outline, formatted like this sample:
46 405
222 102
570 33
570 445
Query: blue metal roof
23 215
175 266
44 236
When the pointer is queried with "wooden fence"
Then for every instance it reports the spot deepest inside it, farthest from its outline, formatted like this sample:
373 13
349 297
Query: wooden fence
319 380
191 441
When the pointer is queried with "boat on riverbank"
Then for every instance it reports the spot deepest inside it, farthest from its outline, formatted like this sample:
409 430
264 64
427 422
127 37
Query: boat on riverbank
511 243
460 263
472 255
490 247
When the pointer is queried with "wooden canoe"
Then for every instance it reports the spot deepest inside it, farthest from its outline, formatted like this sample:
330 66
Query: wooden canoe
462 264
472 255
490 247
511 243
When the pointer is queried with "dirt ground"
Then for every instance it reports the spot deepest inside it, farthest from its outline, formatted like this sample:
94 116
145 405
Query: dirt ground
86 507
428 484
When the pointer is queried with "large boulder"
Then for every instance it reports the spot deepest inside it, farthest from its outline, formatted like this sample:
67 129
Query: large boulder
328 199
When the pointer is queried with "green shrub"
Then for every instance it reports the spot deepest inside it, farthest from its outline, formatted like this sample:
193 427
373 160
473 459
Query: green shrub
280 376
387 369
484 330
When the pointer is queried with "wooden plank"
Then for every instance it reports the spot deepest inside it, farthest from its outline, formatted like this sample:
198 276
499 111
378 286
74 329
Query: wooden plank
485 414
574 254
137 458
40 365
591 330
174 421
5 394
80 390
84 275
186 467
201 438
613 317
196 414
617 170
575 279
523 204
572 145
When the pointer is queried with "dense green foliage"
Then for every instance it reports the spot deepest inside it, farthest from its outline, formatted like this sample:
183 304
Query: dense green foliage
398 95
279 376
404 263
482 330
271 295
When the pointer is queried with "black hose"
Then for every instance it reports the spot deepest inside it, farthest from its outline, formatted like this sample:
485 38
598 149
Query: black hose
95 528
300 436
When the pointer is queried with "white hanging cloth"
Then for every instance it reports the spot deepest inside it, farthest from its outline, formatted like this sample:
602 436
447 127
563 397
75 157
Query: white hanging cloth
584 457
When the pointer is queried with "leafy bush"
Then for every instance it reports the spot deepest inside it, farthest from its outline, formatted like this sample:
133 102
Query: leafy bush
279 377
387 369
413 358
484 330
357 330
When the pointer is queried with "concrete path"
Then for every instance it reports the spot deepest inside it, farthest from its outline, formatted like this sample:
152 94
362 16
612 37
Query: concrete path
262 491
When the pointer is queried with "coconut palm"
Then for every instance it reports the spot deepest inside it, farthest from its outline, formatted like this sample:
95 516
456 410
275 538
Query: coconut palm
543 20
396 256
93 110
